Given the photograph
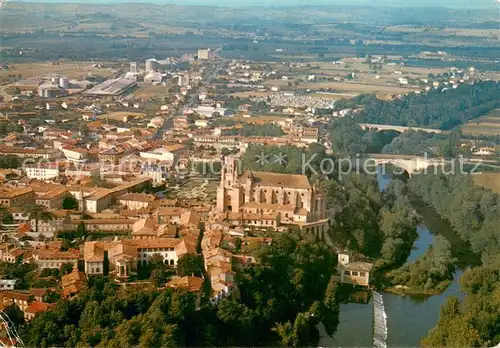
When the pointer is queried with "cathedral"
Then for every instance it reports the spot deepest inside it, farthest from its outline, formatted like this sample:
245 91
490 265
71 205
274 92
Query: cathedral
262 198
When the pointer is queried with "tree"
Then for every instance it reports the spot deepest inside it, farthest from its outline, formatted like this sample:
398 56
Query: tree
18 128
286 333
69 203
11 127
15 315
188 265
237 244
81 229
268 130
435 109
66 268
51 297
347 136
159 276
37 213
5 216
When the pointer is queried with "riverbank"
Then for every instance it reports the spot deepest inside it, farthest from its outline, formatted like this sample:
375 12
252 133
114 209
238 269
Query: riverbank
460 256
409 316
403 290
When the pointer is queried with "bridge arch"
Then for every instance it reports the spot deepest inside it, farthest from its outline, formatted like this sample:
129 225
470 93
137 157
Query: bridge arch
401 129
408 167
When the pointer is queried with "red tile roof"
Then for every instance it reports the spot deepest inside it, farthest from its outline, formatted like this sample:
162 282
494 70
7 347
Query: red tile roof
37 307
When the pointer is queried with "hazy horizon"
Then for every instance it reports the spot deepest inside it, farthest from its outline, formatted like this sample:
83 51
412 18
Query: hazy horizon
456 4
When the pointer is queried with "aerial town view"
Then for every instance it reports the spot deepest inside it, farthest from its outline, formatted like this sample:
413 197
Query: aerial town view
300 173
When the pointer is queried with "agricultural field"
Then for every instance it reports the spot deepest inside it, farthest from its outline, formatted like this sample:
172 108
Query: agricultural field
488 180
380 79
353 87
334 96
485 125
73 70
147 91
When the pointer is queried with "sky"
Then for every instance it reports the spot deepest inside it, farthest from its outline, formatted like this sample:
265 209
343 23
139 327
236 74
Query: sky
458 4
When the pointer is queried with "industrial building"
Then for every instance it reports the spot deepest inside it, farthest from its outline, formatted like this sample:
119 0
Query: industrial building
184 79
155 77
133 67
111 88
209 111
64 82
151 65
49 90
203 54
28 85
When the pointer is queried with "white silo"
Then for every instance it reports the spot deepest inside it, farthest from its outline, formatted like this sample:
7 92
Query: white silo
64 82
151 65
54 80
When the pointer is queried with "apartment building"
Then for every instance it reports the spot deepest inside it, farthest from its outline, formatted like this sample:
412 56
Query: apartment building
52 199
55 258
104 225
123 257
43 172
135 201
16 197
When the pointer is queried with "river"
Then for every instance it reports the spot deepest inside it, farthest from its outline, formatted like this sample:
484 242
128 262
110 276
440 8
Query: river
409 318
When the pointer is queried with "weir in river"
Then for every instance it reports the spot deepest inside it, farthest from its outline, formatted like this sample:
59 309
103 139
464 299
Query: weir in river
379 321
356 326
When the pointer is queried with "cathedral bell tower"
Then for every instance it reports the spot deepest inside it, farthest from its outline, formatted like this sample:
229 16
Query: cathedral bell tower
228 179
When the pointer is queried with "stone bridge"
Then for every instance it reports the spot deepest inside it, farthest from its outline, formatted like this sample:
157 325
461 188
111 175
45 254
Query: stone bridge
401 129
412 164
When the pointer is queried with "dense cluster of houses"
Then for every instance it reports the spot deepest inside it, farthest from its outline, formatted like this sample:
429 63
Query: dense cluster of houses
107 182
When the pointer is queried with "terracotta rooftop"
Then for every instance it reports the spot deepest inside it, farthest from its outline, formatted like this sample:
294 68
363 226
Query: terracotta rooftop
174 147
7 193
104 222
73 282
94 251
170 211
16 252
53 194
190 218
186 246
56 254
359 266
37 307
38 292
191 284
16 295
292 181
137 197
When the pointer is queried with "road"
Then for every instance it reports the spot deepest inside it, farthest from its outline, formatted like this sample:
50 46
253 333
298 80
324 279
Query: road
208 77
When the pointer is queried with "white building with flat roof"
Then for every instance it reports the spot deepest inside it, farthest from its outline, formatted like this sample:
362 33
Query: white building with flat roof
203 54
208 111
160 154
133 67
47 172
